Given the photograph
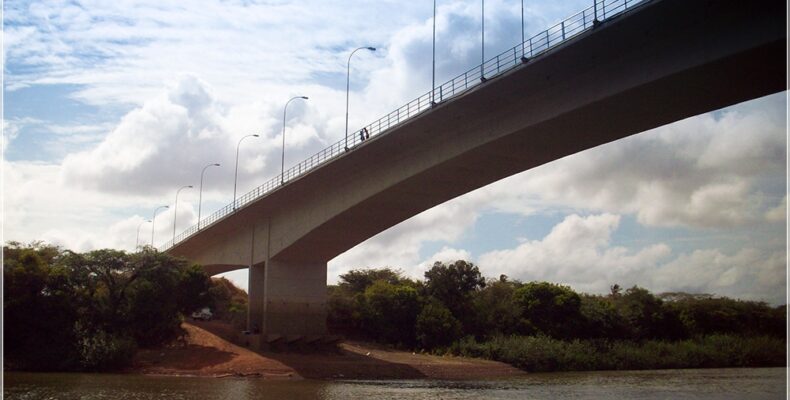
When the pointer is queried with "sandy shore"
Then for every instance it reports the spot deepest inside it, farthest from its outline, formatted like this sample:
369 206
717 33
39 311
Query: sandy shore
204 353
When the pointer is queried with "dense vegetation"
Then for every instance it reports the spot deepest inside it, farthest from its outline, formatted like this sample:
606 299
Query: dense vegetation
65 311
229 303
541 326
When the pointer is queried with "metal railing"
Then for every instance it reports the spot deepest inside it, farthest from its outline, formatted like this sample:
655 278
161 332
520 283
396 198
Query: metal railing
535 46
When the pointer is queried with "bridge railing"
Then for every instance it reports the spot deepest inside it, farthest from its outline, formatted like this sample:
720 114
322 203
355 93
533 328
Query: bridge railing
521 53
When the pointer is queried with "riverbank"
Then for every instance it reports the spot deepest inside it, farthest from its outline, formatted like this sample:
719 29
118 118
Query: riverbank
544 354
203 352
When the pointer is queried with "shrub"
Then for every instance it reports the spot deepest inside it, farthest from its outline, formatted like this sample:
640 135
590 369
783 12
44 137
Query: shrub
436 326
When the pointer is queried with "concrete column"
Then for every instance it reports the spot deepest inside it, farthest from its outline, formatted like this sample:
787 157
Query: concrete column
257 292
295 305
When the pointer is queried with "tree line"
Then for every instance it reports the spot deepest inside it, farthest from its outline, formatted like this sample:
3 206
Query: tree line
455 303
66 311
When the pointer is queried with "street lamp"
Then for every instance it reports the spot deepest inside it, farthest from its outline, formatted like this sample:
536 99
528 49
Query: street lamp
433 57
153 222
348 83
200 196
483 40
175 211
137 241
523 37
236 173
282 168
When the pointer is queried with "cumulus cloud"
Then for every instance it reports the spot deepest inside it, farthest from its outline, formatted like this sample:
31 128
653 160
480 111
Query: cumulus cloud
577 252
778 213
400 245
716 170
748 273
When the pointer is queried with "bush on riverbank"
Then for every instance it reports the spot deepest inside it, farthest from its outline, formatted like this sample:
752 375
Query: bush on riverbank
544 354
66 311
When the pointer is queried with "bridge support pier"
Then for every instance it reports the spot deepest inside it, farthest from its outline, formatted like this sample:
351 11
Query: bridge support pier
255 307
288 300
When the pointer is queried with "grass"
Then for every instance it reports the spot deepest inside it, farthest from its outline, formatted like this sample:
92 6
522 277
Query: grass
544 354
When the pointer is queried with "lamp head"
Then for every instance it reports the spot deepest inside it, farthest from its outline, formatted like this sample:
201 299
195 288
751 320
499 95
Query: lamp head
256 135
304 97
216 165
372 48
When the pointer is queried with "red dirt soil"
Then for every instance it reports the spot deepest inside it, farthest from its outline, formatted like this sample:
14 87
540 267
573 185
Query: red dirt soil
203 352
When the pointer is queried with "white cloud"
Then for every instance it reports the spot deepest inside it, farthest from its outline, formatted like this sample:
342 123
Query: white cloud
676 175
400 245
778 213
747 274
577 252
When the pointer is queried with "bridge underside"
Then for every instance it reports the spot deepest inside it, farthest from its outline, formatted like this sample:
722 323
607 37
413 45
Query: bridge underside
666 61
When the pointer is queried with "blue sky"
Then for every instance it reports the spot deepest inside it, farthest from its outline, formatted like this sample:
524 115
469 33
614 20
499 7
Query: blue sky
109 108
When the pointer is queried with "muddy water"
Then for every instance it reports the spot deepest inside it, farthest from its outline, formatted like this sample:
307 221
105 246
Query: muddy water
755 383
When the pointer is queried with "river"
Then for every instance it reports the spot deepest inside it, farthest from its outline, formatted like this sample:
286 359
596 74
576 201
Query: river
742 384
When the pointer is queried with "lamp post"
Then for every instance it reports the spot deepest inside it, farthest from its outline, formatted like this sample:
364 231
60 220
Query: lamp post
433 57
236 173
200 195
137 241
483 39
175 210
282 164
348 83
153 222
523 38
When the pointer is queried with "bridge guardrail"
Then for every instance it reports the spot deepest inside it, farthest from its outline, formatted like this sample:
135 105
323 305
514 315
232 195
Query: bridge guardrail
532 47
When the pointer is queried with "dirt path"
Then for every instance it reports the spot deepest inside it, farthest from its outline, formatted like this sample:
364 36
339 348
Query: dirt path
204 353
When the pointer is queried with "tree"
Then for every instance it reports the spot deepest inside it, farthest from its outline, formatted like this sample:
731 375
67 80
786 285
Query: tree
357 280
39 309
390 312
436 326
703 314
646 316
229 302
453 285
494 310
71 311
551 309
600 318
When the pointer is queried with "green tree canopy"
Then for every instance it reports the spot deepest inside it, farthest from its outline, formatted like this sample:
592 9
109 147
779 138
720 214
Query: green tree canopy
549 308
454 285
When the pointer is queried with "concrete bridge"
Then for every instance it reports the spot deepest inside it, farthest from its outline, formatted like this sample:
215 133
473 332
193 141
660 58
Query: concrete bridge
659 62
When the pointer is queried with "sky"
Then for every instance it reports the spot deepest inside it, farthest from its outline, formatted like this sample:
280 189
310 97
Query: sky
110 107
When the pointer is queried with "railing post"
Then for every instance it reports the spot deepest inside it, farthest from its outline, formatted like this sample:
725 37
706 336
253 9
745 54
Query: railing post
548 40
441 93
563 30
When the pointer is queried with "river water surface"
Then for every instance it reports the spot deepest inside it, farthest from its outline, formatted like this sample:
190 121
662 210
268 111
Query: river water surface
747 384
